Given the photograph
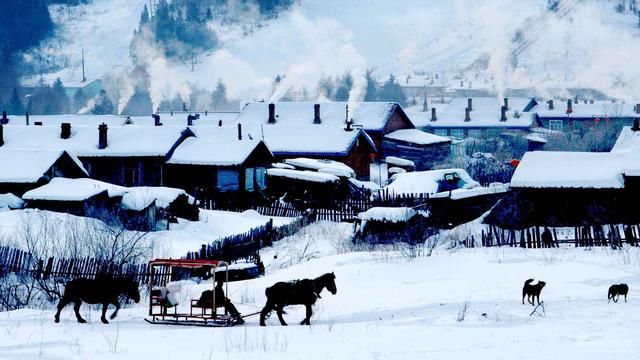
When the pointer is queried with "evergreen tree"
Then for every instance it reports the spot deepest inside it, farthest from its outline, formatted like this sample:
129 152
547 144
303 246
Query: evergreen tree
144 17
15 104
79 100
391 91
219 96
59 100
371 92
344 87
103 105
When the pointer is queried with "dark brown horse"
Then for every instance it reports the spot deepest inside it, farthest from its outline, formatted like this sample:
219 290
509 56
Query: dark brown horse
300 292
104 290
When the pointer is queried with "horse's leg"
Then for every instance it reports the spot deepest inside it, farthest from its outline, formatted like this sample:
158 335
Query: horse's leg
279 311
76 308
307 320
115 303
63 302
103 318
268 307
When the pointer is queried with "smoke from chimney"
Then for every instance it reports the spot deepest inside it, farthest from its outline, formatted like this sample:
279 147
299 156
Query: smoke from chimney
102 136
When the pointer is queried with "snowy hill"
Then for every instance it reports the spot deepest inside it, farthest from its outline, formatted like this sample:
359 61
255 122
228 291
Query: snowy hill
493 45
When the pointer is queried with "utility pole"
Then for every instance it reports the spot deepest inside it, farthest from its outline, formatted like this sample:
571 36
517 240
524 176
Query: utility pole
83 77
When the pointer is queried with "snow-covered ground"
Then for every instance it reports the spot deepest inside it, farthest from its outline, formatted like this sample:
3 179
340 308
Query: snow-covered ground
388 306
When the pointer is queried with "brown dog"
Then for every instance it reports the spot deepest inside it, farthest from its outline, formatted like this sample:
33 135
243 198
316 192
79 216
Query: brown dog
532 291
616 290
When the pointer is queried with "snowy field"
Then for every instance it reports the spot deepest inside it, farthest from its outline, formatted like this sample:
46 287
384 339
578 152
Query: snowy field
389 305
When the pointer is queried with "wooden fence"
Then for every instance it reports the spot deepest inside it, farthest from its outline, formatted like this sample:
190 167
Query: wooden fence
20 262
531 238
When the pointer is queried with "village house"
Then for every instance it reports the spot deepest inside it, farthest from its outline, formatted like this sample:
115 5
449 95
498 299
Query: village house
220 169
481 117
121 155
571 189
585 115
24 169
321 130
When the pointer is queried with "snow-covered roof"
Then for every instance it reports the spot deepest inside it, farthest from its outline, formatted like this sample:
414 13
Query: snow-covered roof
482 119
628 140
417 137
554 169
63 189
121 140
392 160
426 182
20 165
369 115
10 201
140 197
487 104
196 151
303 175
178 119
388 214
323 166
602 109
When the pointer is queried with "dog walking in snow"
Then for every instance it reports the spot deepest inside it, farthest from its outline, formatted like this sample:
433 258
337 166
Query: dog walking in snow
616 290
532 291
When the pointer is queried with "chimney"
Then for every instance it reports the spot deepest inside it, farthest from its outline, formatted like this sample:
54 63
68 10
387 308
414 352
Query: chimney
65 130
220 123
4 119
470 104
156 120
26 115
467 115
190 119
506 104
239 131
37 123
316 114
569 105
184 106
635 127
425 105
1 135
550 102
102 136
433 114
503 113
637 108
272 114
347 120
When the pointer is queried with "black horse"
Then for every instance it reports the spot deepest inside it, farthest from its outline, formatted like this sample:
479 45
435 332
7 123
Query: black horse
104 290
299 292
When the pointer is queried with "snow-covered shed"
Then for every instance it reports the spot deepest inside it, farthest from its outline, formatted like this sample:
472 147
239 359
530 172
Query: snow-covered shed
424 149
24 169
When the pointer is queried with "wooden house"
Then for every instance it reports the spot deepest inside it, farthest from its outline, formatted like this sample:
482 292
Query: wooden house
573 189
219 169
481 118
321 130
24 169
585 115
424 149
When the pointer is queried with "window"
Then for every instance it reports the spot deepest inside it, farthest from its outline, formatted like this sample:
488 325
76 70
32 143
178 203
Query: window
493 132
261 177
457 133
228 180
249 178
441 132
475 133
555 125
